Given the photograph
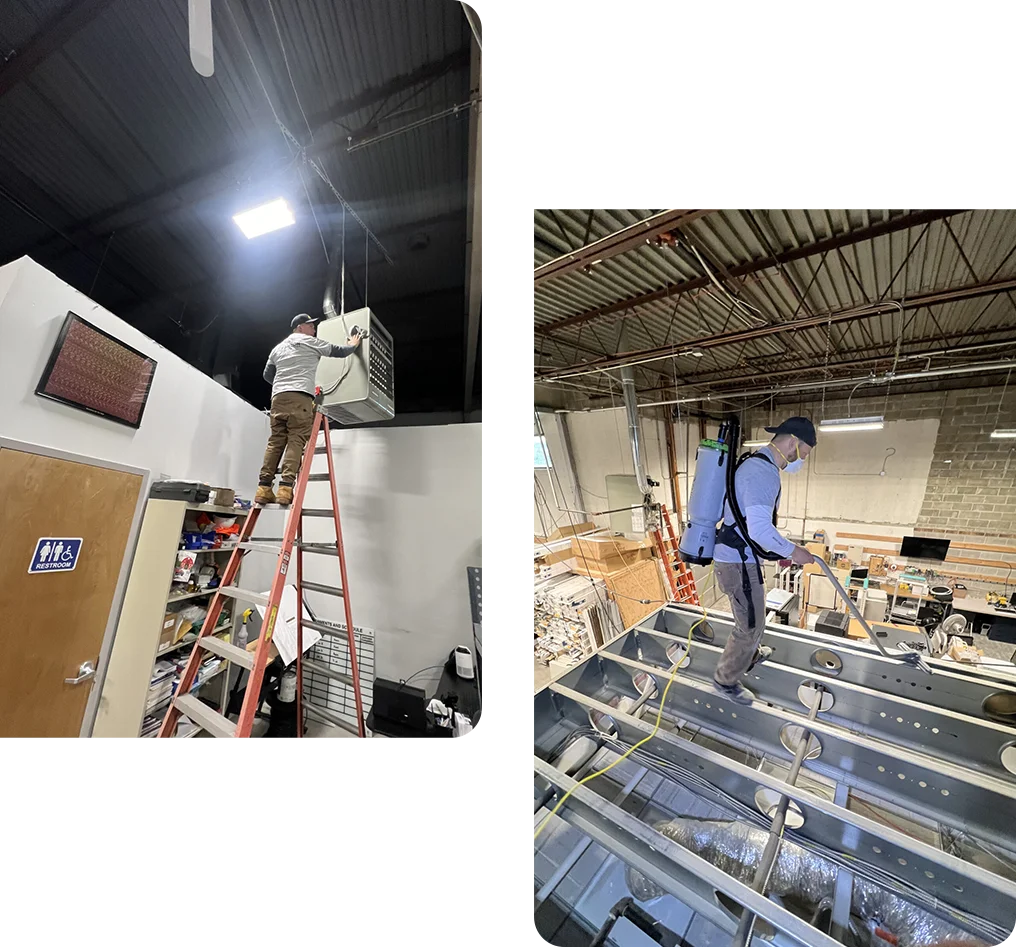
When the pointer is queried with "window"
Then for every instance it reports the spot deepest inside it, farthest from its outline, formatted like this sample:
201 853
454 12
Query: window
541 454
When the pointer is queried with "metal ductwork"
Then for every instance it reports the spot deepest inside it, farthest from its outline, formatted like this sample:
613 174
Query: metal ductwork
634 432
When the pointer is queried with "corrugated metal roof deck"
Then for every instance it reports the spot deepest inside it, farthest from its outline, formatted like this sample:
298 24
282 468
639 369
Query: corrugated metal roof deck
850 277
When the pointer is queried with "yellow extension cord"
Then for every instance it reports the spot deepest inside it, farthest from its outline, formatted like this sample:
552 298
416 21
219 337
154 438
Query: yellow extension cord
634 747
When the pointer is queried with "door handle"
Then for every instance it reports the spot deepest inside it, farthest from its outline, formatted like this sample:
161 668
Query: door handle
85 673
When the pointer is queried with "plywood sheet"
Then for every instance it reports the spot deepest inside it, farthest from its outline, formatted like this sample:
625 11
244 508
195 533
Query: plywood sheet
633 585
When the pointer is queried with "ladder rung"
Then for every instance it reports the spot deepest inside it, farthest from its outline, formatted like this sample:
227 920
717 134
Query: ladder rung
325 629
204 716
245 595
228 651
327 589
327 672
306 512
318 478
329 549
260 547
321 450
328 717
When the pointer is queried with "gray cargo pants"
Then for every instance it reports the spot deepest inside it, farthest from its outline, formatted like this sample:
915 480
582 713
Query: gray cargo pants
742 584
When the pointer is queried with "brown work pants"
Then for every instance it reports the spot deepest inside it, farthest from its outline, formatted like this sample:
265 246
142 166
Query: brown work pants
292 419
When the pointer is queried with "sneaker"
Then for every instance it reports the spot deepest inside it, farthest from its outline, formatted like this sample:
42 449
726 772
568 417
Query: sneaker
264 496
285 495
764 653
738 693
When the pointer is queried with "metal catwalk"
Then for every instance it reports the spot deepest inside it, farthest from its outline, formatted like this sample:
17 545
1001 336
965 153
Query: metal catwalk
858 801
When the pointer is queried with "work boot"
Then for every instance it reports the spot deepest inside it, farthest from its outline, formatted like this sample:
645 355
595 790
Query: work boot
764 653
264 496
738 693
284 496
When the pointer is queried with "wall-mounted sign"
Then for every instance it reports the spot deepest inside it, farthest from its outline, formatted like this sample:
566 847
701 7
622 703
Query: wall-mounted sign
55 555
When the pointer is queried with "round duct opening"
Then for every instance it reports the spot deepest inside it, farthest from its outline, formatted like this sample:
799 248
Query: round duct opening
1000 706
806 694
645 684
826 661
678 654
1008 757
791 736
703 631
604 723
768 800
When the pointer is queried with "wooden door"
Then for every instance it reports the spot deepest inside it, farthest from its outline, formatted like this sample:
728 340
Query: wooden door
52 622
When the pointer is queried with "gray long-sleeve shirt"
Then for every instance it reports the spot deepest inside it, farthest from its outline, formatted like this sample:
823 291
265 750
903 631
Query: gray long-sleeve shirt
292 364
757 484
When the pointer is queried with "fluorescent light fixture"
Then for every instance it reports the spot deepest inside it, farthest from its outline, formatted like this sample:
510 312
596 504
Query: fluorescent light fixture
1003 433
264 219
854 424
755 443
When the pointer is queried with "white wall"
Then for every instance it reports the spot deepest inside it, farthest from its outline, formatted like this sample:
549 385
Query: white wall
841 477
411 522
192 428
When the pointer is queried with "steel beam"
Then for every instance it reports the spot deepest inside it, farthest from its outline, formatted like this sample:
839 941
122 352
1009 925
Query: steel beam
787 256
939 790
825 823
687 876
70 19
921 727
950 686
970 291
622 241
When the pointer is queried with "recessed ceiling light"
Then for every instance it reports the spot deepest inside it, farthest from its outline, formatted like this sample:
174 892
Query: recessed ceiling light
265 218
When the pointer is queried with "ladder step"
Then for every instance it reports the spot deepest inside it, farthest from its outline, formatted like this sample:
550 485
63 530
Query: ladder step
228 651
319 668
326 716
204 716
261 547
321 450
326 589
328 549
245 595
325 629
318 478
306 512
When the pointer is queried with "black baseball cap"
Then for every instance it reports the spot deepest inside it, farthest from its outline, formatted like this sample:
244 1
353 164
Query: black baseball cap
302 320
799 427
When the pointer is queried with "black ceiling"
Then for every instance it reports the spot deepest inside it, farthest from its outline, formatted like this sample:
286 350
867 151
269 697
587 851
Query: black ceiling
121 167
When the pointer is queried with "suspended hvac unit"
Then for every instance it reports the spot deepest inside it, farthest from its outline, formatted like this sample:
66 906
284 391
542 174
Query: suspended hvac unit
362 387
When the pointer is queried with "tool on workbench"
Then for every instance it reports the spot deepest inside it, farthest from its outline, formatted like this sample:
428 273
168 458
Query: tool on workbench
184 703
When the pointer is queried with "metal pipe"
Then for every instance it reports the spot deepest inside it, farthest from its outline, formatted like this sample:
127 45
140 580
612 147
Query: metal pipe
838 383
631 410
776 830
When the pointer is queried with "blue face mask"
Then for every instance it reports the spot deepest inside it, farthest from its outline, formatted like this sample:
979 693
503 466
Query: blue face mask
794 466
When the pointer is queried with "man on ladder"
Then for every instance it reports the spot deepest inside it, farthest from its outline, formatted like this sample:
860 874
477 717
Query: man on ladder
291 370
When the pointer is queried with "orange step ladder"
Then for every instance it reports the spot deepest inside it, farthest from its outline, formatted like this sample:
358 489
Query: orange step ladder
184 703
679 576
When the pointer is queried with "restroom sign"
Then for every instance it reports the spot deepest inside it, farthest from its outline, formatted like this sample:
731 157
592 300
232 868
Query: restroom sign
55 555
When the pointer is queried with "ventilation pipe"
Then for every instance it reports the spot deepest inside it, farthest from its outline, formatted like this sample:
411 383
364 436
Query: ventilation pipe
634 435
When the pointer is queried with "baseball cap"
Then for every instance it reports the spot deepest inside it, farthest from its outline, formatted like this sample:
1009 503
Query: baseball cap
799 427
301 320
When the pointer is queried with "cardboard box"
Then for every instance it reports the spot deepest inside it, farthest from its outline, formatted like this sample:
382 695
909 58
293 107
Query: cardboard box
598 568
642 581
168 627
222 496
549 570
818 549
564 532
606 546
